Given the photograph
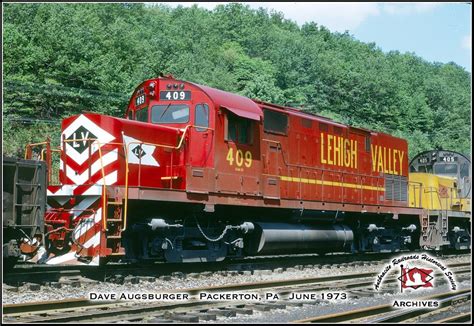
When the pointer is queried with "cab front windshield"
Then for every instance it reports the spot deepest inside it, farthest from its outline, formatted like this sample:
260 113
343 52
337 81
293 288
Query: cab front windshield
446 169
170 113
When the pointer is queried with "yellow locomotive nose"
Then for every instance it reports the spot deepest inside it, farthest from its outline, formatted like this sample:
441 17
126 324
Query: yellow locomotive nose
435 192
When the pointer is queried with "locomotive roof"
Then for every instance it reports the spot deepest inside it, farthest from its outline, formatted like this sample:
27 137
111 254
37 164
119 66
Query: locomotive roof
296 111
252 108
240 105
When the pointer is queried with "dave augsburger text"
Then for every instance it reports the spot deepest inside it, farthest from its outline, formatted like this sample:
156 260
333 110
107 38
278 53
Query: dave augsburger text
139 296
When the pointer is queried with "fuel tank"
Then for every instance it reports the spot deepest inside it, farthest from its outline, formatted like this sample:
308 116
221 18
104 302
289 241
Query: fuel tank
278 238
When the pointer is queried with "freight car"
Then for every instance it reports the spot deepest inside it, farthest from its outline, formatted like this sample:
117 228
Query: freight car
193 173
24 203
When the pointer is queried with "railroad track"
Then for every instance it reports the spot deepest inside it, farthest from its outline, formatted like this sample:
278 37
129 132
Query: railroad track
462 318
116 273
194 309
387 313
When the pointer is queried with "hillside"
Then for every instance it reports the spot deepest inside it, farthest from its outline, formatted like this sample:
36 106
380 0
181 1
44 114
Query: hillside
63 59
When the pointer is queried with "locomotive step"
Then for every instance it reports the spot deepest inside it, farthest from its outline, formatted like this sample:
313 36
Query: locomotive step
170 178
114 237
114 220
114 203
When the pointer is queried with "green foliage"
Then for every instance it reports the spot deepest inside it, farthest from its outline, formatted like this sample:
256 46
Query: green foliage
16 136
64 59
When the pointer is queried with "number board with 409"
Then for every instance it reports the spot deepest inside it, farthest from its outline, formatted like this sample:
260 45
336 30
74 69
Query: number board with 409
175 95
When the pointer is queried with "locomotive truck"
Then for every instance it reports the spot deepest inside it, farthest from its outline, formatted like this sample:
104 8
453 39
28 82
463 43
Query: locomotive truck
192 173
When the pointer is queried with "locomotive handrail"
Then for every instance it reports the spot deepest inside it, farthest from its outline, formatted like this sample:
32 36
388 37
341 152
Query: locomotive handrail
104 190
91 142
95 141
180 143
29 146
316 168
299 166
48 160
414 185
44 150
50 163
448 199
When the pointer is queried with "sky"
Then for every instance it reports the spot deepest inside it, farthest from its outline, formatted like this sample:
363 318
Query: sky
435 31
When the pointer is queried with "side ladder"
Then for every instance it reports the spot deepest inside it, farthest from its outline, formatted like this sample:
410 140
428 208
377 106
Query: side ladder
114 224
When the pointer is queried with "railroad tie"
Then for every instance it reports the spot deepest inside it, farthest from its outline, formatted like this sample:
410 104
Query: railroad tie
276 305
10 288
242 310
223 312
206 315
188 318
158 320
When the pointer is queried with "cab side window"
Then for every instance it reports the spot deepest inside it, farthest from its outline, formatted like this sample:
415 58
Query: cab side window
238 129
275 122
201 117
142 115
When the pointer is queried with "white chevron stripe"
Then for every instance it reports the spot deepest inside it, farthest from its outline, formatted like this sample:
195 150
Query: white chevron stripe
86 224
93 190
65 190
63 258
95 261
102 136
71 259
61 200
110 179
84 205
107 159
98 215
96 189
93 242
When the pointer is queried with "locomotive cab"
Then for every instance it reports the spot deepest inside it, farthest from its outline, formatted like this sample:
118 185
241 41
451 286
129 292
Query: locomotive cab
222 131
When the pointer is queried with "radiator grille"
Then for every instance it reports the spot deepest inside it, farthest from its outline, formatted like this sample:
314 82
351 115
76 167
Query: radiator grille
396 188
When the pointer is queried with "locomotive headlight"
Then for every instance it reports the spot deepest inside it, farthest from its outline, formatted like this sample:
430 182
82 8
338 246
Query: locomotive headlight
151 89
175 86
181 86
168 86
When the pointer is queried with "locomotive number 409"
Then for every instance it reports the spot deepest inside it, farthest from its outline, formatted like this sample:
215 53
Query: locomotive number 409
240 158
175 95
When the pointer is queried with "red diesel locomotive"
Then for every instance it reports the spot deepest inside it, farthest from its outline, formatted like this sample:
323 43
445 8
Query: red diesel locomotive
192 173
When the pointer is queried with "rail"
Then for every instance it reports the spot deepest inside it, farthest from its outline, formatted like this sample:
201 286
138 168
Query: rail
391 314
